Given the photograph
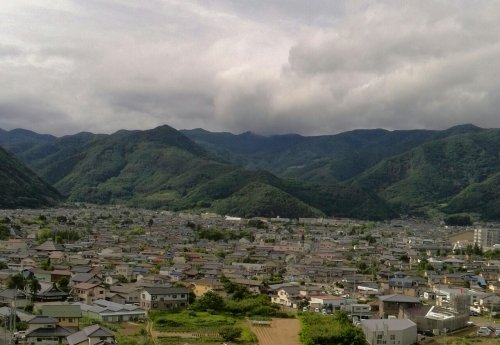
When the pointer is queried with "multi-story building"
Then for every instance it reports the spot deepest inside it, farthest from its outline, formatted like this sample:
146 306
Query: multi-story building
88 293
164 298
486 237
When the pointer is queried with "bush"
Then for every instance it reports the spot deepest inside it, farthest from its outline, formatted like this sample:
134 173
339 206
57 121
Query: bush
230 333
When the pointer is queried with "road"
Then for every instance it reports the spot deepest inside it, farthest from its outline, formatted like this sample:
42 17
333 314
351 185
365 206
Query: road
4 336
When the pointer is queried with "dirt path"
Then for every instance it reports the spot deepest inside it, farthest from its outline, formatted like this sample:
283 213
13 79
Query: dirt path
281 332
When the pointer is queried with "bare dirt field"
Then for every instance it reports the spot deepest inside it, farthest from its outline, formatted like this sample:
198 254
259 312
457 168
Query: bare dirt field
281 332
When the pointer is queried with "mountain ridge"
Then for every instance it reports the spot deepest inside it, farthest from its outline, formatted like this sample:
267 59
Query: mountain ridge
361 173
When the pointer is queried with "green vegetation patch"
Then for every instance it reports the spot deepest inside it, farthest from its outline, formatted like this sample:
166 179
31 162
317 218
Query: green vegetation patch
325 329
189 321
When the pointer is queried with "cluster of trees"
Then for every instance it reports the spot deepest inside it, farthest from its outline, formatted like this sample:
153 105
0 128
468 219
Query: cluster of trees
58 236
27 283
214 234
240 303
318 329
458 220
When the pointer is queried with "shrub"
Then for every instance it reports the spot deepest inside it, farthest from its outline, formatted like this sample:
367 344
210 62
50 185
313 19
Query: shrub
230 333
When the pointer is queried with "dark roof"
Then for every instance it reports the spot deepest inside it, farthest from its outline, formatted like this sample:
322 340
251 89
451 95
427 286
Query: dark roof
58 331
40 319
88 332
83 277
81 269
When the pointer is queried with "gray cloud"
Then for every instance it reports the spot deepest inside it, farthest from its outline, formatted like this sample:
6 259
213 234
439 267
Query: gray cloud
266 66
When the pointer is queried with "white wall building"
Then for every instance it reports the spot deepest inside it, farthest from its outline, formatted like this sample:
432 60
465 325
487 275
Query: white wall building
389 331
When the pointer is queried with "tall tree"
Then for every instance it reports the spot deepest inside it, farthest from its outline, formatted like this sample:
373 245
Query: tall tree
33 286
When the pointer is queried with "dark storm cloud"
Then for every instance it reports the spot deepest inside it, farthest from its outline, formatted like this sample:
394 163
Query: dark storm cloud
276 66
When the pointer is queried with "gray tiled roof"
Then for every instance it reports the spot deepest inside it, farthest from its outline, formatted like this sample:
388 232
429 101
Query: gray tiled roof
61 310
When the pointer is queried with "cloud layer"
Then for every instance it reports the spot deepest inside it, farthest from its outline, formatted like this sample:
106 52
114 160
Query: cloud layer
274 66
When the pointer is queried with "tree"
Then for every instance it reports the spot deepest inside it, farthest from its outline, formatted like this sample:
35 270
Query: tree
230 333
404 258
33 286
63 284
4 232
16 281
209 301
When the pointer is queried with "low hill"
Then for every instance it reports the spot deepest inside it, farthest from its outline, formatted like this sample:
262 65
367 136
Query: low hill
20 187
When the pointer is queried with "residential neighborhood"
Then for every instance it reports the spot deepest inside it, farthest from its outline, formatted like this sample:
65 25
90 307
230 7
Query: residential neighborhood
395 280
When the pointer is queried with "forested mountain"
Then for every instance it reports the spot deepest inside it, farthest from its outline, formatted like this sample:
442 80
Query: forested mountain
163 168
322 159
363 173
20 187
451 174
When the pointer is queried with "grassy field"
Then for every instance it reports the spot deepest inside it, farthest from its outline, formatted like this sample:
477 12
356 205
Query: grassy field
196 328
189 321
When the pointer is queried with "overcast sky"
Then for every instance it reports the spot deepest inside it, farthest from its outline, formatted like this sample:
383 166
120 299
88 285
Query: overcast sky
270 66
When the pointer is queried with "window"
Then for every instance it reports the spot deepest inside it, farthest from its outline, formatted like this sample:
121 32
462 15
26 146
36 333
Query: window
174 296
183 296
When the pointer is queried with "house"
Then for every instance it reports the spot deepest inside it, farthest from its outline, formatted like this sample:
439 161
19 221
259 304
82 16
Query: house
394 305
88 293
164 298
49 246
112 312
91 335
86 277
67 315
124 293
50 292
389 331
8 296
253 286
44 330
202 286
328 302
357 312
57 275
287 296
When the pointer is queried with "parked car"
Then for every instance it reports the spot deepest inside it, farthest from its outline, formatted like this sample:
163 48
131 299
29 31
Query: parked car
20 335
497 332
428 333
484 331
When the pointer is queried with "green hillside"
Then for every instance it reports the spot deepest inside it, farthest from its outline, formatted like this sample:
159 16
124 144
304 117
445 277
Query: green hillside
435 172
322 159
162 168
20 187
368 174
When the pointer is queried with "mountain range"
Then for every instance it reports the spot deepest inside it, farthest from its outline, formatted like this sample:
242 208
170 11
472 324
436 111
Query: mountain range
368 174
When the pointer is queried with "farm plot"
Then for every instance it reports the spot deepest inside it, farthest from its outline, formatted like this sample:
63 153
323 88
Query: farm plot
280 332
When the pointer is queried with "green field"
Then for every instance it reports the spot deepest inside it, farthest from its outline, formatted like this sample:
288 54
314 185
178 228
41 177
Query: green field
189 321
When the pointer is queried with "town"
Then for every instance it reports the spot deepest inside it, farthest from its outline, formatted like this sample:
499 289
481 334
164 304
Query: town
73 275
